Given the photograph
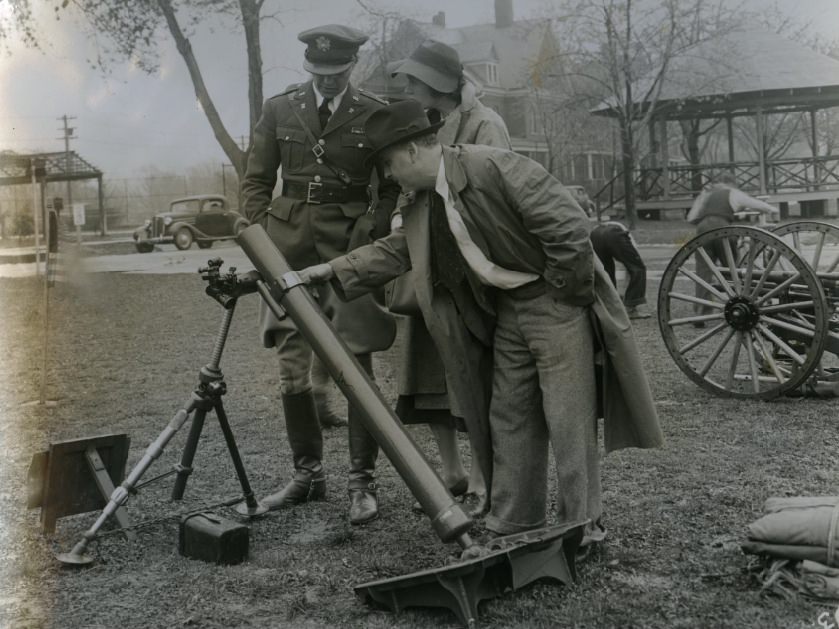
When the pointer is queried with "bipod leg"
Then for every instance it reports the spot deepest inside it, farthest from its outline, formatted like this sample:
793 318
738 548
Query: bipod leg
120 495
184 468
250 507
211 385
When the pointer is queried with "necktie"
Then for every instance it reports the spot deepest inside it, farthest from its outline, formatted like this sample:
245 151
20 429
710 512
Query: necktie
434 115
447 266
324 113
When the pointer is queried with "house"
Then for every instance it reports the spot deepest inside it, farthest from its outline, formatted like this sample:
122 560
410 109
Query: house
510 61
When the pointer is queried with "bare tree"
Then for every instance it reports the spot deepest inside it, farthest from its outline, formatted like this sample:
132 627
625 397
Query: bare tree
128 30
624 49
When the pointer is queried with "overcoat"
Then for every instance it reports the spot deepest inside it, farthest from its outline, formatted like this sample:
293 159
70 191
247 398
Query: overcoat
285 140
535 226
421 372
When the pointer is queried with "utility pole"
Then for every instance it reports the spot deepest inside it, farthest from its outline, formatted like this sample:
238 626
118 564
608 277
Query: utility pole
68 135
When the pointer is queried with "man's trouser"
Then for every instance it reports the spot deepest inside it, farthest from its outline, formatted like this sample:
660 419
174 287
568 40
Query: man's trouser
544 393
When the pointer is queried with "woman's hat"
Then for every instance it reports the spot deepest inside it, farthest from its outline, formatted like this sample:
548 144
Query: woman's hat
434 63
396 123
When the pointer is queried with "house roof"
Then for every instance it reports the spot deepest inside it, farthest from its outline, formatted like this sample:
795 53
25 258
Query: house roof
16 168
742 69
515 49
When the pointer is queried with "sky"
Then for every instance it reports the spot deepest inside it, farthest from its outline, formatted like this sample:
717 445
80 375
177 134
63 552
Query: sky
128 120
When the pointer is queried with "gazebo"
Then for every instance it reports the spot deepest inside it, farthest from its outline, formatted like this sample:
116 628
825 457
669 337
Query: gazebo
44 168
745 72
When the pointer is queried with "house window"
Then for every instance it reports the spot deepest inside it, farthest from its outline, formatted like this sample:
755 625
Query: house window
492 74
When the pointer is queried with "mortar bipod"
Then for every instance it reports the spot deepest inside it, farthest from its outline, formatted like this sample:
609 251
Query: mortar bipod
226 289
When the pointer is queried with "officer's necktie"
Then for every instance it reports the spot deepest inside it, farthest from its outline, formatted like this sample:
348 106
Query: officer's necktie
447 265
324 113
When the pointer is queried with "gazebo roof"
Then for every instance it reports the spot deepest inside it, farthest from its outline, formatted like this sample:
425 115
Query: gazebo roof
16 168
741 71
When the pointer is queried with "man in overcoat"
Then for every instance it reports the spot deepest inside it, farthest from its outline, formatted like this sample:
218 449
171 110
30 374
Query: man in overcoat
315 132
504 231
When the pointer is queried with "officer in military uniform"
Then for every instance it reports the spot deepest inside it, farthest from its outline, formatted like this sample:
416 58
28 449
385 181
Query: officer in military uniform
315 132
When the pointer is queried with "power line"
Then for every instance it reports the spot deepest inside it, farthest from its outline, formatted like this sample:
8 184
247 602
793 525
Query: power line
68 135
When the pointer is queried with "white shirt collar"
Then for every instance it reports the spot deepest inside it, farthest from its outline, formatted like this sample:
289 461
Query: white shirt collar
334 103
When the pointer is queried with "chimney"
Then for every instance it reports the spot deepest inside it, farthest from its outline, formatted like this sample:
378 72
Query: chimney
503 13
439 19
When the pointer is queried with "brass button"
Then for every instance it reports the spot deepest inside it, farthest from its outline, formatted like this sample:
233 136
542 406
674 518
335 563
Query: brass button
319 160
317 178
360 145
322 142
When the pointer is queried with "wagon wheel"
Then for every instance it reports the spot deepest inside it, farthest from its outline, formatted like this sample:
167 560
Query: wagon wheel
818 243
756 327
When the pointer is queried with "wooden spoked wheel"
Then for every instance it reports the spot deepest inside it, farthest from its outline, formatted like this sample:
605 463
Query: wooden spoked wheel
742 313
818 243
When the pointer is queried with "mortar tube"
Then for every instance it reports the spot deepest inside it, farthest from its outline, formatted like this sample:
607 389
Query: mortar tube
447 517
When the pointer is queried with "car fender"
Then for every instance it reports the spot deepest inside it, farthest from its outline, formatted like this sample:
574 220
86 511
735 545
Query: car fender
176 225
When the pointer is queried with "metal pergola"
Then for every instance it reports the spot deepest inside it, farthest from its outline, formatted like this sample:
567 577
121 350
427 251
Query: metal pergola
43 168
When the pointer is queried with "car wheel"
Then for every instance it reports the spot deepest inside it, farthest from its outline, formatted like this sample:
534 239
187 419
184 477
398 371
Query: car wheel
205 244
183 238
144 247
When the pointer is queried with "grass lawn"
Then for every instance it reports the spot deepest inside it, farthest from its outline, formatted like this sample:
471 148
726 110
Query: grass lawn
125 354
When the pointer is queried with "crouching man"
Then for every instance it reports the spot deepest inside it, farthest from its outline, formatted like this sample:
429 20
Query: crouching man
502 233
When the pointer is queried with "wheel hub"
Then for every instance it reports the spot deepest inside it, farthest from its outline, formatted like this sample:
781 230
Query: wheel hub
741 314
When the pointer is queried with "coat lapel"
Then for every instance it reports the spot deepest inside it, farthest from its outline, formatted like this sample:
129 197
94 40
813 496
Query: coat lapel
351 107
304 102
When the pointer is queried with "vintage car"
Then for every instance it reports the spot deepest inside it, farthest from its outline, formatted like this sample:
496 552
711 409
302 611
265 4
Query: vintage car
202 218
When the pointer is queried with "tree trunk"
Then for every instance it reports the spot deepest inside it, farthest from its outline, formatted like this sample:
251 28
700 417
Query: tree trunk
228 144
628 165
691 133
250 22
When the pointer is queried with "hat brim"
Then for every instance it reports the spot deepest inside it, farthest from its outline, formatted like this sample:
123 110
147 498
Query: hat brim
436 80
322 68
370 160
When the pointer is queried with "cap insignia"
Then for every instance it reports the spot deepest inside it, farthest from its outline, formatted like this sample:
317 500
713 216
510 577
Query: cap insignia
323 43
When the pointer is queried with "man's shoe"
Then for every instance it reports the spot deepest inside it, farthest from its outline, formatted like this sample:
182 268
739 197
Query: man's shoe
638 312
302 488
475 505
364 505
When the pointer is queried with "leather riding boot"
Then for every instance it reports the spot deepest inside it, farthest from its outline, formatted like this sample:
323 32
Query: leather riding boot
304 436
364 504
320 389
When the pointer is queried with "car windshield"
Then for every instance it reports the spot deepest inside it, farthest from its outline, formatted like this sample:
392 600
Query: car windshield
184 207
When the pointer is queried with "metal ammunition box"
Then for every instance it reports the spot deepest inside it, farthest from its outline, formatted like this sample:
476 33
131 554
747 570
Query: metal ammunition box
211 538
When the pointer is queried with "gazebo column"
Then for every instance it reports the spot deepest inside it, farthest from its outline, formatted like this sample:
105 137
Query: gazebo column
814 143
761 158
103 222
665 158
729 127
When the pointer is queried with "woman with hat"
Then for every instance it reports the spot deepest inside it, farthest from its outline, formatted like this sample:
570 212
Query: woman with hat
436 80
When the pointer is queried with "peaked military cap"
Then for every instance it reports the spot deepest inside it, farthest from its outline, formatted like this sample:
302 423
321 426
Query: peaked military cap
330 49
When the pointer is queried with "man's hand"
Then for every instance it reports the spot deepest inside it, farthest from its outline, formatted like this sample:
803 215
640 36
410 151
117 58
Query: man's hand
317 274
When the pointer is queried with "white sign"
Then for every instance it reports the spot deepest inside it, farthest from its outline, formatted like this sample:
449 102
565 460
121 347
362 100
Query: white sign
78 214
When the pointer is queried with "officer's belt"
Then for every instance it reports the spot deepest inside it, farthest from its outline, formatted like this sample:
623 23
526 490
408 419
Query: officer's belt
319 192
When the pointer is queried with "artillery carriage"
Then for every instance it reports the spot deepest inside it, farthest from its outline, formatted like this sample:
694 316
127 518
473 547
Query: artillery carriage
760 320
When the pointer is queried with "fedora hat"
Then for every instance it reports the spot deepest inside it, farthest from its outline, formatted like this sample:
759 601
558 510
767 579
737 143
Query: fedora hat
396 123
434 63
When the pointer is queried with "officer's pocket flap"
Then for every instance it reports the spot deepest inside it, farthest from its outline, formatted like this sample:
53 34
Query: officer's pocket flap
355 140
290 134
281 208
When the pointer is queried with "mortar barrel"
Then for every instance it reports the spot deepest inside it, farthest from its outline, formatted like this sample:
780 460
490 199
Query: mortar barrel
447 517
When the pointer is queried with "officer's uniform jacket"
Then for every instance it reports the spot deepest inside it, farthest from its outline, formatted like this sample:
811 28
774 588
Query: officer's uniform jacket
323 196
